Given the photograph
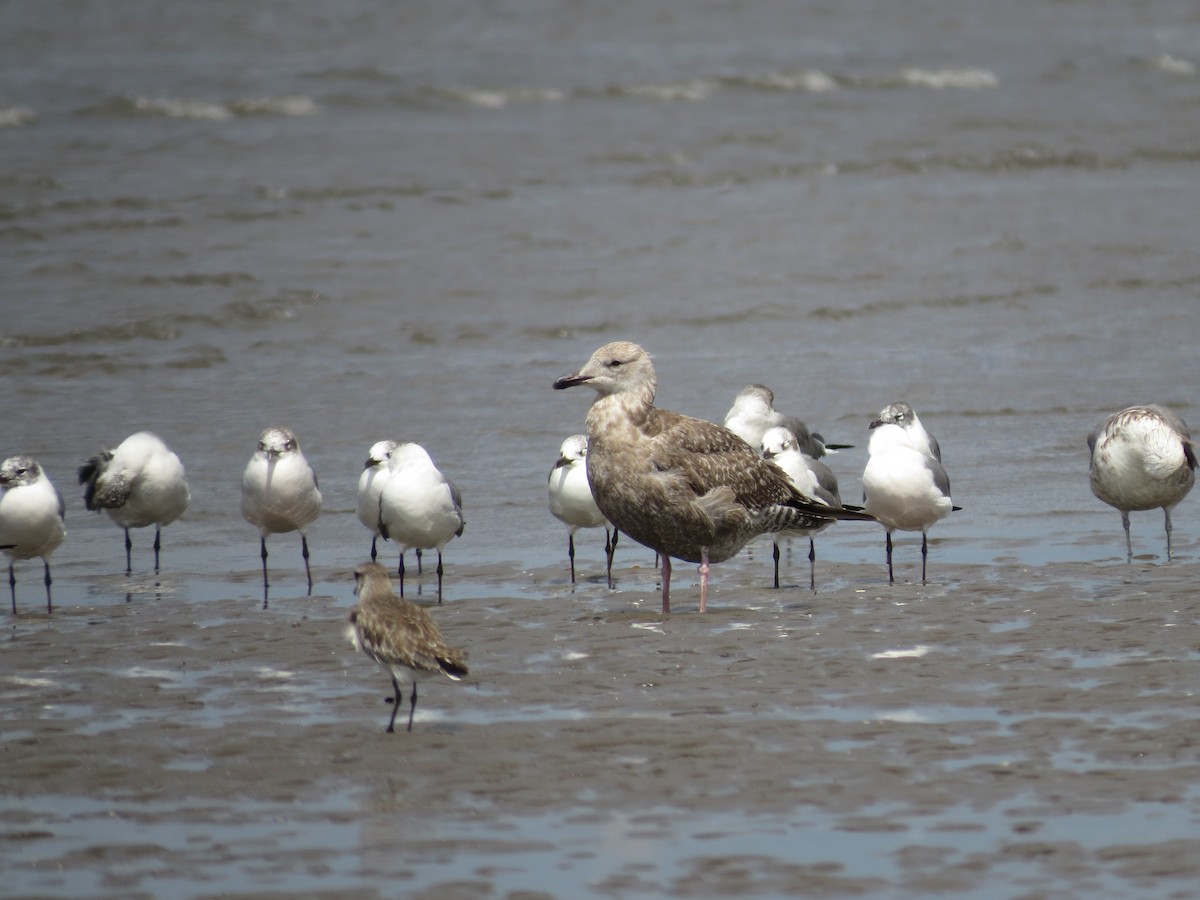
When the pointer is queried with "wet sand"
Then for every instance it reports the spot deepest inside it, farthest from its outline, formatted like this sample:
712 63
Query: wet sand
1002 732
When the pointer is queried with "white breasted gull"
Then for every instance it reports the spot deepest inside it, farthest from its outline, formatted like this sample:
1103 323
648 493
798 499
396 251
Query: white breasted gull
31 518
1142 457
683 487
811 477
280 493
140 483
904 487
400 636
753 412
571 500
419 508
374 476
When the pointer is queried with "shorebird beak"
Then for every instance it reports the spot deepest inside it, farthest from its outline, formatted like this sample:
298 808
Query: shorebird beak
874 424
570 381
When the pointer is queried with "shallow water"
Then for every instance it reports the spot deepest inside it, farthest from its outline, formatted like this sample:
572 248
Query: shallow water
367 220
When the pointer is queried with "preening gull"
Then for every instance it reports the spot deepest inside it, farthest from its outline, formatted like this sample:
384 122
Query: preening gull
811 477
1142 458
753 412
571 500
684 487
280 493
419 508
31 518
370 485
904 487
140 483
398 635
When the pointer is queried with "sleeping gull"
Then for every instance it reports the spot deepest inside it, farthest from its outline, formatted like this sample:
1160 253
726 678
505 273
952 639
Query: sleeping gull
398 635
811 477
571 500
753 412
684 487
140 483
31 518
370 485
419 507
1142 458
280 493
904 487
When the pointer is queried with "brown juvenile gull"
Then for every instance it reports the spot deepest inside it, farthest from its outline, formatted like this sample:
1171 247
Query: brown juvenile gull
684 487
399 635
1142 458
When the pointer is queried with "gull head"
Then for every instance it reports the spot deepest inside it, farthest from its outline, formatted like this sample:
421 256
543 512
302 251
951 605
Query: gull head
616 368
18 471
277 441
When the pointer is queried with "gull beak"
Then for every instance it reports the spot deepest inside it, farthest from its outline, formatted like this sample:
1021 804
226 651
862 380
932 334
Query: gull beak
571 381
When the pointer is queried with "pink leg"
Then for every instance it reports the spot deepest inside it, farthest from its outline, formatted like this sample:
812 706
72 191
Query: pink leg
666 580
704 570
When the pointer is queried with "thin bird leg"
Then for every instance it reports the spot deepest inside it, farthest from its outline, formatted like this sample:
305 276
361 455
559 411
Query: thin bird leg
12 586
412 704
571 554
128 553
775 555
157 546
391 729
924 554
610 550
1167 512
439 574
891 578
374 552
49 605
400 573
704 570
1128 543
304 553
263 541
812 566
666 584
419 561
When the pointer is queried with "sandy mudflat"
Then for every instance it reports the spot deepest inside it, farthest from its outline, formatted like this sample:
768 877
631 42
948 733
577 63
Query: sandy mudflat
1025 733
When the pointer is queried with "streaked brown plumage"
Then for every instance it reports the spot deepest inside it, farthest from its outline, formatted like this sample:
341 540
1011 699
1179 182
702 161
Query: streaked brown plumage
684 487
399 635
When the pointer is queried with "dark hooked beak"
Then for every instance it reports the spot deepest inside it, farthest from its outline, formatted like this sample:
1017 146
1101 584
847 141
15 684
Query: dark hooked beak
570 381
875 424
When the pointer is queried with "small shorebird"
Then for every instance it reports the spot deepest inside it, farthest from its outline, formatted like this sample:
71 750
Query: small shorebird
683 487
31 518
400 636
753 412
811 477
279 492
370 485
419 507
904 487
571 500
138 484
1142 458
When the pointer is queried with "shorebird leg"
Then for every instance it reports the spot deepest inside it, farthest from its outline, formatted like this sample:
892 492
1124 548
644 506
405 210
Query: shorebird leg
49 605
924 554
812 566
391 729
400 572
704 570
128 553
571 554
666 585
1167 512
263 543
891 578
12 586
374 552
775 554
439 575
412 705
419 561
1128 543
304 553
610 550
157 545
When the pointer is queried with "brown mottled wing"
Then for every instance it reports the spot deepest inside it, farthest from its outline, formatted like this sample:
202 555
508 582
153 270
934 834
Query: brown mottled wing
710 456
395 630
